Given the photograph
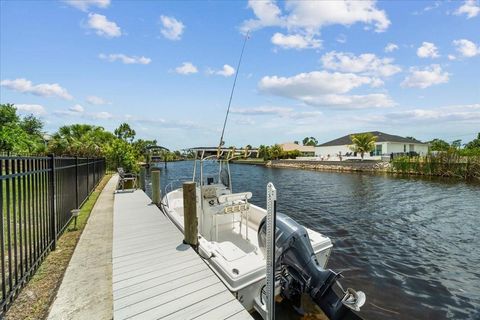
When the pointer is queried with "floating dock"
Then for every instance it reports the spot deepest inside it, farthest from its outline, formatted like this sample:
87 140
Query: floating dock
155 275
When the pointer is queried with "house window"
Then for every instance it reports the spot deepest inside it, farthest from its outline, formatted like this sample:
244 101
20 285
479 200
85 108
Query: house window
378 150
404 148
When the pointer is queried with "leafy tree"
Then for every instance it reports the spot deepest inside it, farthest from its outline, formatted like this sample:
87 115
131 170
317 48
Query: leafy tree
275 151
296 142
310 141
363 143
474 144
19 135
457 144
120 153
411 138
125 133
32 126
439 145
80 140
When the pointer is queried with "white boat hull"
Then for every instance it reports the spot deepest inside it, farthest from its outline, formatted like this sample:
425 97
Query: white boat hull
229 245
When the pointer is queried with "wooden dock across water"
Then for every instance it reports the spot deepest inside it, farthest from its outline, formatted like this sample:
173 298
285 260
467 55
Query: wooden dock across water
156 276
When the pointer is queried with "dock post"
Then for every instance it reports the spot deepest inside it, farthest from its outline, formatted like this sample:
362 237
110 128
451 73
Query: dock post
156 194
141 181
190 220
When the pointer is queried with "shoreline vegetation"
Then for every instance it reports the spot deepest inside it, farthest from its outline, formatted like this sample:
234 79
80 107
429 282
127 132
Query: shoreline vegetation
467 168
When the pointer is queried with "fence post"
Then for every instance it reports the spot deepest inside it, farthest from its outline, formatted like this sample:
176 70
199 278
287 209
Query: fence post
88 176
53 204
76 183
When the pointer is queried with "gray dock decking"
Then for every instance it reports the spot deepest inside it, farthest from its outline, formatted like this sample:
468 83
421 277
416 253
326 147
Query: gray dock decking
155 276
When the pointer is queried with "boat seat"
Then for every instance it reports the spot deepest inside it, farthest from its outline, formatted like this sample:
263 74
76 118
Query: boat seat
234 197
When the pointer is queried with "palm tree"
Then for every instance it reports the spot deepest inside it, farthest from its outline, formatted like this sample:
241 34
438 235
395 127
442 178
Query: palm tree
363 143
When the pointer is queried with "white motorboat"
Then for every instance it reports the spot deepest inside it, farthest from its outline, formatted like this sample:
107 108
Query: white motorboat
230 237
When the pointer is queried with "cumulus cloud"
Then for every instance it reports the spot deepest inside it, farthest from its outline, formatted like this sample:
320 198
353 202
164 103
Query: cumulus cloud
306 18
102 26
186 68
466 48
84 5
428 50
77 108
470 7
42 89
96 100
424 78
124 58
226 71
295 41
322 88
390 47
31 108
172 28
101 115
281 112
366 64
455 113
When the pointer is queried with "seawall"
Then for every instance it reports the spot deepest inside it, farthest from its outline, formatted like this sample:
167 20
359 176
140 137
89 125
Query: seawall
357 166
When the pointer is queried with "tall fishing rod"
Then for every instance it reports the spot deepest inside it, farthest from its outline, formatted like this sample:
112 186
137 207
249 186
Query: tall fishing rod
221 143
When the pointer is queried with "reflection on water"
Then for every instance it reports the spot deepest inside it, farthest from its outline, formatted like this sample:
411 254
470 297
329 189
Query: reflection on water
411 244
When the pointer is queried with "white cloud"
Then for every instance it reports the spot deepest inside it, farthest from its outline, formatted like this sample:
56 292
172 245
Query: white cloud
172 28
308 17
96 100
102 26
77 108
295 41
186 68
125 59
322 88
281 112
31 108
366 64
101 115
428 50
262 111
468 113
451 57
466 48
390 47
470 7
425 78
226 71
43 89
85 4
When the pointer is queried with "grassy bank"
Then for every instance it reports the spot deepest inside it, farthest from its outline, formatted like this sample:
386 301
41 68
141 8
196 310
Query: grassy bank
443 164
35 299
250 161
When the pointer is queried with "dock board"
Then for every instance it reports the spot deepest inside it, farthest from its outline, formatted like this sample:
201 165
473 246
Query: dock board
156 276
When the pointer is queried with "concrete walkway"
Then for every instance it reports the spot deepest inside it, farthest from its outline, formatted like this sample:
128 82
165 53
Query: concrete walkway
86 289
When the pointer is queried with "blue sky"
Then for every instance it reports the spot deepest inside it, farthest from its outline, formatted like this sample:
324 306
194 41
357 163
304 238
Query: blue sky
322 69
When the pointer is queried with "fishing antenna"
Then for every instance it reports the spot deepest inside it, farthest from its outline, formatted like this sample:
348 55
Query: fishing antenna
221 143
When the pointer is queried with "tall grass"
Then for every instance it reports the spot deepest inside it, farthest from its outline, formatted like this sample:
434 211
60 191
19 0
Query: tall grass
450 163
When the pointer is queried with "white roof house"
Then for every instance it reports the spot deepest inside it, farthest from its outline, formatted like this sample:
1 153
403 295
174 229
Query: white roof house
386 144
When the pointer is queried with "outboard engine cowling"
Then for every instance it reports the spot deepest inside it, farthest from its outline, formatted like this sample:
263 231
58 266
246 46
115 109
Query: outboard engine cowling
299 271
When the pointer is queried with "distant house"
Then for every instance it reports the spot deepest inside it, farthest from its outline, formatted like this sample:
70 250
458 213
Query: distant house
386 144
306 151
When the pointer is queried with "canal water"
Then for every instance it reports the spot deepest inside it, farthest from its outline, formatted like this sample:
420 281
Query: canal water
411 244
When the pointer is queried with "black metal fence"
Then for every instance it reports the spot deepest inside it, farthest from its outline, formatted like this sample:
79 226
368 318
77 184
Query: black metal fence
37 195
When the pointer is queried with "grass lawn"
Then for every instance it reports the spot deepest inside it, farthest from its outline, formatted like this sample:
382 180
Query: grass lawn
35 299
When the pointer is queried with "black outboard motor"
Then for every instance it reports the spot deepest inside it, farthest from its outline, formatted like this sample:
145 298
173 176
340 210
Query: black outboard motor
299 272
